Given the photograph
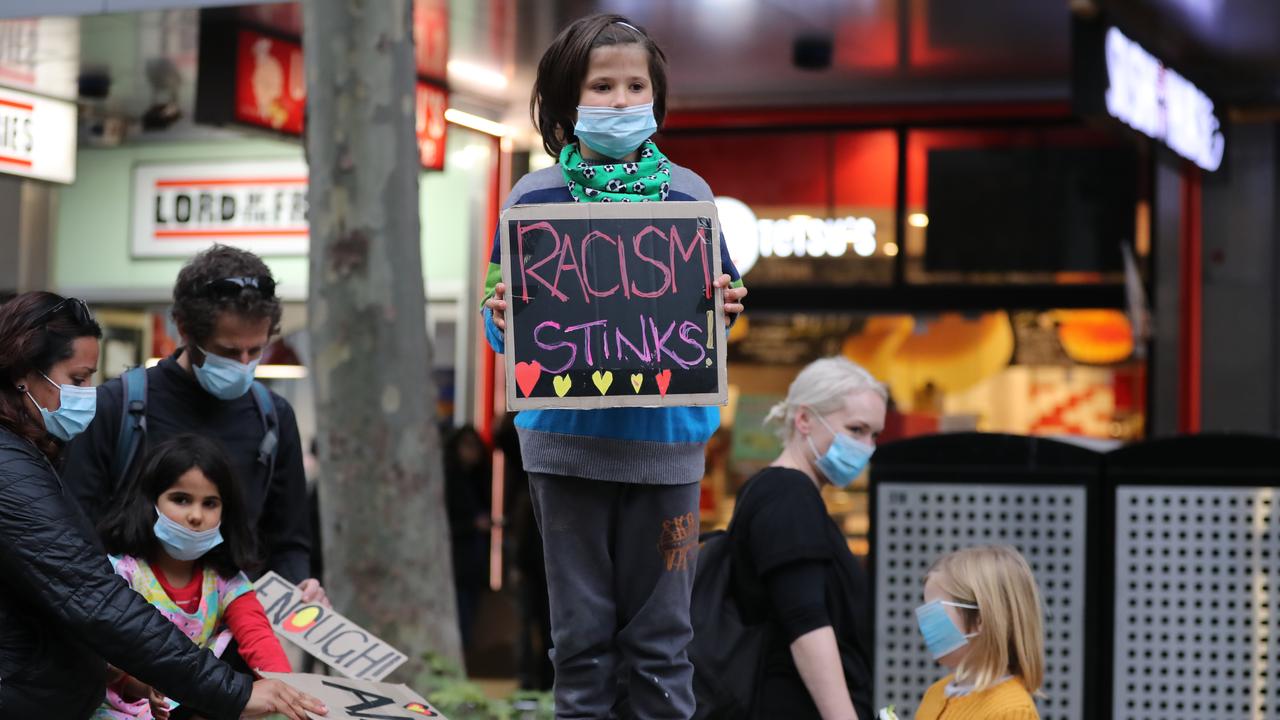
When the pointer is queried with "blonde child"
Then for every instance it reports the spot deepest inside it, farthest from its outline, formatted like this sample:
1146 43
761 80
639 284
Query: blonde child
981 618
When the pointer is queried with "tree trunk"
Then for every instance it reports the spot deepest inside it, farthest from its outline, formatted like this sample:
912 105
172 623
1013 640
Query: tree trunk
386 534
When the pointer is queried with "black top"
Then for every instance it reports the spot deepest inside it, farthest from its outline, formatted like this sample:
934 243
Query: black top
811 580
277 507
62 610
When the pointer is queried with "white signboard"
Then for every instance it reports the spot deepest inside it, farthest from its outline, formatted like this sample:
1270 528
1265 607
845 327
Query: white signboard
324 633
37 137
41 55
751 238
180 209
1161 104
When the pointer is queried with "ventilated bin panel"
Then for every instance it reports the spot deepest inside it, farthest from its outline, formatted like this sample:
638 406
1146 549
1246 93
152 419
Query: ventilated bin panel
1197 628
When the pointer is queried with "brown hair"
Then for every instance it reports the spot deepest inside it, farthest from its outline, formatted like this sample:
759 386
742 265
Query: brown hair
196 309
34 339
563 67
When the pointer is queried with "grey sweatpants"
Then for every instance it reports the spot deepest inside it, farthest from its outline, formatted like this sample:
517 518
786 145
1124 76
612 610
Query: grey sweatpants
620 559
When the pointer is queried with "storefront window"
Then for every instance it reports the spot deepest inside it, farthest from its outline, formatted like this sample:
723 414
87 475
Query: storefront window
1055 373
1018 206
802 208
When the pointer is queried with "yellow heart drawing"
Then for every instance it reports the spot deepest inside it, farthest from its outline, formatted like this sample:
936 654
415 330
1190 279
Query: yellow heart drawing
637 380
602 380
562 384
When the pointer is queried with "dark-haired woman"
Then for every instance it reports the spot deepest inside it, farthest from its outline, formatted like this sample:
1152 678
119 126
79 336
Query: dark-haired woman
614 491
180 537
62 609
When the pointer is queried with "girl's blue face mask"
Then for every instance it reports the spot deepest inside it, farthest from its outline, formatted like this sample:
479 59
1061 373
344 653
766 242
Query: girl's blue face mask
941 636
845 460
183 543
615 132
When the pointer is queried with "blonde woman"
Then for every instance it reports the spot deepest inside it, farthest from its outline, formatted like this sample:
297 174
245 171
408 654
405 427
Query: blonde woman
982 619
816 661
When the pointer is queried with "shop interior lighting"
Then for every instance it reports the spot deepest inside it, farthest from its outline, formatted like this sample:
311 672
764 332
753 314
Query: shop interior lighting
477 123
539 159
891 249
919 220
470 155
469 73
264 372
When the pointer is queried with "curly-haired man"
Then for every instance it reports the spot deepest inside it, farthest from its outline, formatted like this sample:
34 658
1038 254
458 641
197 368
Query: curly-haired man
226 310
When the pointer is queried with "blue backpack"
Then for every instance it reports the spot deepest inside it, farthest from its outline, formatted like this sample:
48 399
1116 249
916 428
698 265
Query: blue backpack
133 425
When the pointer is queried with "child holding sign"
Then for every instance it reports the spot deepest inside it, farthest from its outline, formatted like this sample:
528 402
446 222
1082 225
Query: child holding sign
615 490
180 538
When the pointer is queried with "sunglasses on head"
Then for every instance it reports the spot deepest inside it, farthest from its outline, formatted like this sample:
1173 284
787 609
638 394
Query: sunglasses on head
79 309
233 286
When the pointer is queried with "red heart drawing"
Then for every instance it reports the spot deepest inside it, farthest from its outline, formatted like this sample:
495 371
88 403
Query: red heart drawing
664 381
527 374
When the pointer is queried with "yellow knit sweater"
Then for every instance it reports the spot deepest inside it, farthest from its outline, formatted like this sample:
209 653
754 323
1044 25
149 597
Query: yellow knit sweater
1007 701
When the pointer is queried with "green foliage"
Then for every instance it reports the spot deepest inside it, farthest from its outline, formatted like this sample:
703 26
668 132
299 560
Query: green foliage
448 689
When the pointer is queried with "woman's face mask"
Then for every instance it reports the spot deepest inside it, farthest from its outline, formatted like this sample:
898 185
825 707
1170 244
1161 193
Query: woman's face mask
844 460
76 408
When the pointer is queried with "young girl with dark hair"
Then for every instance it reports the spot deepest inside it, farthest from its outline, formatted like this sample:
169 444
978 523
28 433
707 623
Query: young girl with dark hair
614 491
180 538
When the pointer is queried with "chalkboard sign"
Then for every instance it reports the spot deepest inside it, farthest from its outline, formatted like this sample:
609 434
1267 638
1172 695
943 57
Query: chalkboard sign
612 305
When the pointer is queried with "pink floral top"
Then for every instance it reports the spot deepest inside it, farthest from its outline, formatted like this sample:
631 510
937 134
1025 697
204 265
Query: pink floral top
204 626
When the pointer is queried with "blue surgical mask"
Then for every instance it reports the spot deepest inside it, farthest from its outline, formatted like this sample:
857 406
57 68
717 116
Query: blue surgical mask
615 132
183 543
76 408
844 461
941 636
225 378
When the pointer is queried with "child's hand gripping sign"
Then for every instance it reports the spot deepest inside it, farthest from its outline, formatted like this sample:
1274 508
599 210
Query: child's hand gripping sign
612 305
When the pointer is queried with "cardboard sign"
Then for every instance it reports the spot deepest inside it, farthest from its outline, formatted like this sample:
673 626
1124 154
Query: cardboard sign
612 305
360 698
325 634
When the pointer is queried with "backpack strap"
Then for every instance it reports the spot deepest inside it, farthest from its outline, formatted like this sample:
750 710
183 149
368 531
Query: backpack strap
133 422
270 429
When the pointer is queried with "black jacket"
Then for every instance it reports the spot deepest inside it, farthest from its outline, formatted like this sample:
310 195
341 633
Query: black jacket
176 404
62 610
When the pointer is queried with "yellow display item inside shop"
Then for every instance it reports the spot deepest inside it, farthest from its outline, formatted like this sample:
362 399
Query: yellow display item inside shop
1059 373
